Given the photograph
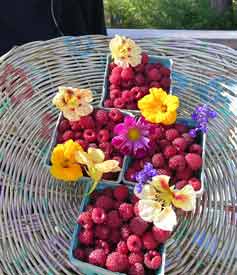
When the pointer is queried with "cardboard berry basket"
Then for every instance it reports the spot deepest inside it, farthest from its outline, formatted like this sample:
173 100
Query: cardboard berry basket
53 143
166 62
201 140
90 269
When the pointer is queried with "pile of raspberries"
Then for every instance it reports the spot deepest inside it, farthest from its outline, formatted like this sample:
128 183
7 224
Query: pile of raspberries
113 236
128 85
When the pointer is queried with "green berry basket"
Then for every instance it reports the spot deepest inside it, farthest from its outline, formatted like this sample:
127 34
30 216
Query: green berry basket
90 269
201 140
166 62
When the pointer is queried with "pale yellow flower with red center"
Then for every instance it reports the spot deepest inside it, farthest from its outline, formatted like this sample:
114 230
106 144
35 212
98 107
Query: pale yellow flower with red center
73 102
125 51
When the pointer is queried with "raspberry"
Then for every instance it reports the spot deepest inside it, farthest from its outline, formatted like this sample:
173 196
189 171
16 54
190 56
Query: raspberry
103 135
85 220
119 103
170 151
114 236
163 143
177 162
77 135
185 174
121 193
145 58
126 211
89 135
106 147
165 71
180 184
135 258
145 89
181 128
196 184
116 115
117 70
139 68
114 220
102 232
89 208
87 122
180 144
101 117
154 84
159 133
194 161
108 103
149 241
171 134
100 244
137 93
79 254
132 106
138 226
134 243
115 79
122 247
148 67
108 192
112 66
127 84
164 172
136 269
60 139
119 160
195 148
98 215
139 79
113 86
104 202
158 160
127 73
75 125
88 251
165 83
116 93
95 195
188 138
97 257
68 135
127 96
136 209
83 143
152 259
117 204
86 237
125 232
154 74
92 145
117 262
63 126
160 235
136 165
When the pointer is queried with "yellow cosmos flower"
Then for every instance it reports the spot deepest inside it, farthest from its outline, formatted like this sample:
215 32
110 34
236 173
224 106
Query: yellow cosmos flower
73 102
64 166
95 164
159 107
125 51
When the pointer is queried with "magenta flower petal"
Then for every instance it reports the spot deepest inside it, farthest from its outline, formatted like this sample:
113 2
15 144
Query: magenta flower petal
145 141
120 129
126 148
139 149
118 141
130 121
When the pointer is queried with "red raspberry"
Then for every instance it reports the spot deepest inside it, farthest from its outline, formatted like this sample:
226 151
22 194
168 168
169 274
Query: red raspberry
112 66
106 147
165 83
180 184
127 84
145 89
115 79
108 103
101 117
117 262
119 103
95 195
131 106
185 174
114 236
145 58
116 93
122 247
102 232
148 67
89 135
160 235
104 202
181 128
196 184
177 162
88 251
126 211
127 73
63 126
159 133
154 75
139 79
117 70
136 269
158 65
158 160
79 254
77 135
136 209
87 122
166 172
107 192
85 220
113 86
116 115
75 125
137 257
89 208
100 244
194 161
121 193
113 219
60 139
97 257
134 199
149 241
68 135
154 84
139 68
98 215
127 96
163 143
195 148
180 144
171 134
136 165
125 232
165 71
103 135
152 259
188 138
170 151
86 237
119 160
83 143
137 93
138 226
134 243
117 204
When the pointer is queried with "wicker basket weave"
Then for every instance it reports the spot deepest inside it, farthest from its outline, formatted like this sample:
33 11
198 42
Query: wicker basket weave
37 213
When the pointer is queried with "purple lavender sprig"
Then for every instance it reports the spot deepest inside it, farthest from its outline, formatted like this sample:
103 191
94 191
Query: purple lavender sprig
201 115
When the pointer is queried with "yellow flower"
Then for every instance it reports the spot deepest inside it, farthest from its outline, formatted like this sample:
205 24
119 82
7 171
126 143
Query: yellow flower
64 166
125 52
95 164
159 107
73 102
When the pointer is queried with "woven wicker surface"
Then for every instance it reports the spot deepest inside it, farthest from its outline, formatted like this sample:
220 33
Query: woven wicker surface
38 213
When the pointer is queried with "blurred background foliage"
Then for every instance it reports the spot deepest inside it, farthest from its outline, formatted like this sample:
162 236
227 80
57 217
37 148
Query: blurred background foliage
171 14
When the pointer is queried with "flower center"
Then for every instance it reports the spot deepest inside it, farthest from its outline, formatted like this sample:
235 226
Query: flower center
134 134
65 163
163 108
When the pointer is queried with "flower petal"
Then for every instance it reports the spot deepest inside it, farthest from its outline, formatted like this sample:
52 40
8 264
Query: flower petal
96 155
185 198
127 148
170 118
161 183
172 103
72 173
118 141
83 158
139 149
166 220
70 148
148 209
84 109
130 121
108 166
120 129
57 155
148 192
